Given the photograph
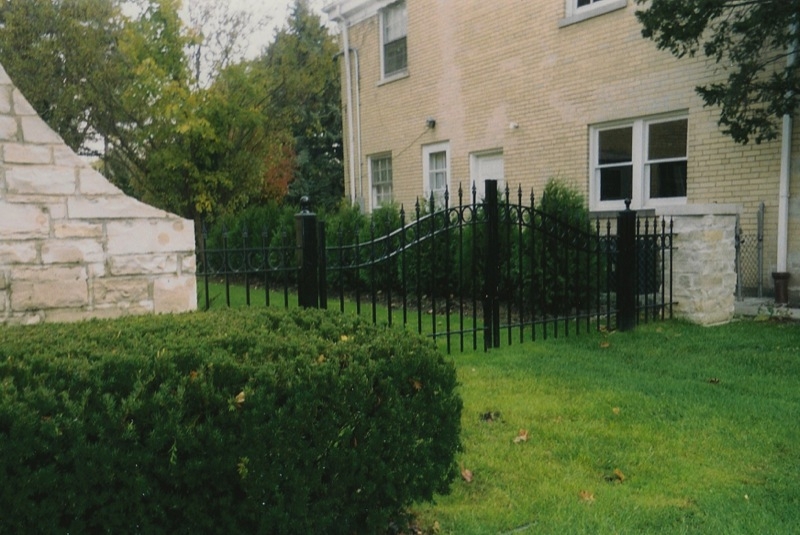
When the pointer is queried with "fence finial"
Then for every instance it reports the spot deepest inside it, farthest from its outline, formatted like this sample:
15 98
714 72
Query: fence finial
305 204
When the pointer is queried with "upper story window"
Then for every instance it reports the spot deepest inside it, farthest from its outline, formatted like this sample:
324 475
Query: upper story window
436 170
644 160
394 28
578 10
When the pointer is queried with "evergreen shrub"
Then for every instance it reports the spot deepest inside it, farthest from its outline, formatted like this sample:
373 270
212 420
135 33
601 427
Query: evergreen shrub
253 226
240 421
557 258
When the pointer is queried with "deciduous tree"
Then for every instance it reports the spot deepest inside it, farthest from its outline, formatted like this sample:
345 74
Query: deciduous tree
54 51
94 73
129 84
750 41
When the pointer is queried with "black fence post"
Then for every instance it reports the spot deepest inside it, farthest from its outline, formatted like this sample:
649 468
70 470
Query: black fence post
491 303
323 266
305 225
626 269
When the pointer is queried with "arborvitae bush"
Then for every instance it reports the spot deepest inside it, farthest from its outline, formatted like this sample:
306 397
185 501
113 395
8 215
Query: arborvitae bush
381 243
343 229
250 237
563 272
430 258
245 421
260 223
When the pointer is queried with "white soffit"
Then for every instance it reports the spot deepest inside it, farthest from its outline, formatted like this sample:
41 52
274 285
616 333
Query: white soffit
354 11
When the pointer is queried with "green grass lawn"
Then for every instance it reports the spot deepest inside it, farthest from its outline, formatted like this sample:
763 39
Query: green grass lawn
672 428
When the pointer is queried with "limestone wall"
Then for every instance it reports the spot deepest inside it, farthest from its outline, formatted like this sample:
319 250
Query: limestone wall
72 245
704 262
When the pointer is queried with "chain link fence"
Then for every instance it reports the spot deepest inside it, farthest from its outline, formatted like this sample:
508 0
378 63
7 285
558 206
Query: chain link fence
750 259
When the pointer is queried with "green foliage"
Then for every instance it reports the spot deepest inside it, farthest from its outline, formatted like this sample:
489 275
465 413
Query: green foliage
429 262
381 243
189 150
363 239
343 230
560 257
130 80
46 47
270 222
346 224
564 203
253 421
750 42
305 99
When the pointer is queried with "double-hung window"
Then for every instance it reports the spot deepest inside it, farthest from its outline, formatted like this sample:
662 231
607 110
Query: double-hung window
436 169
394 28
644 160
381 175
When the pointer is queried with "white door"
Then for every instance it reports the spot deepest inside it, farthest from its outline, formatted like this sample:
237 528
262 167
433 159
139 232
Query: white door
487 166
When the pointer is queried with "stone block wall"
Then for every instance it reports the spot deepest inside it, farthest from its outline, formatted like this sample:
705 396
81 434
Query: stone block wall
72 245
704 262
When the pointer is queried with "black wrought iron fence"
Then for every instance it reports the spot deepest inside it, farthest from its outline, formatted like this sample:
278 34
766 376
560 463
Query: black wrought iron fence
238 261
474 273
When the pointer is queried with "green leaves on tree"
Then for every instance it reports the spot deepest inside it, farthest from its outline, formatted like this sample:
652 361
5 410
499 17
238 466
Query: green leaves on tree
750 43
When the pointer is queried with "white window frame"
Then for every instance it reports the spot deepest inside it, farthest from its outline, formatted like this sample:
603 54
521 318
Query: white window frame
401 72
374 197
573 13
640 165
427 151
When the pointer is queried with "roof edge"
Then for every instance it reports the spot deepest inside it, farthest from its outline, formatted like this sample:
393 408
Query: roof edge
352 12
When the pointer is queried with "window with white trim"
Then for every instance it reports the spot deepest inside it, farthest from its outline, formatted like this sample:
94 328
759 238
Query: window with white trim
394 29
644 160
380 172
436 169
579 10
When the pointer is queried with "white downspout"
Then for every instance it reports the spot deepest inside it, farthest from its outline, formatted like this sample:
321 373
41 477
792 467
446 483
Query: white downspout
783 195
351 149
359 155
783 190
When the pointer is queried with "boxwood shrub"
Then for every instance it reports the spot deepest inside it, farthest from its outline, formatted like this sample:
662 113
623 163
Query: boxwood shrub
245 421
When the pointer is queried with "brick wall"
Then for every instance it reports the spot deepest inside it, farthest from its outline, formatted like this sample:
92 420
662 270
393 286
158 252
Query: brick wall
73 246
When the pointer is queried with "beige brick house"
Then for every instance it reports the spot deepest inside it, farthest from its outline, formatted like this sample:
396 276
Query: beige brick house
442 93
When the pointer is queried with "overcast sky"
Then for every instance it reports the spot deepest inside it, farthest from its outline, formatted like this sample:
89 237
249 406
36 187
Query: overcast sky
278 11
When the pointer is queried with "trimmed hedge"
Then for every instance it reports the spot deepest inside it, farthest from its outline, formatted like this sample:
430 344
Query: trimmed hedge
245 421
